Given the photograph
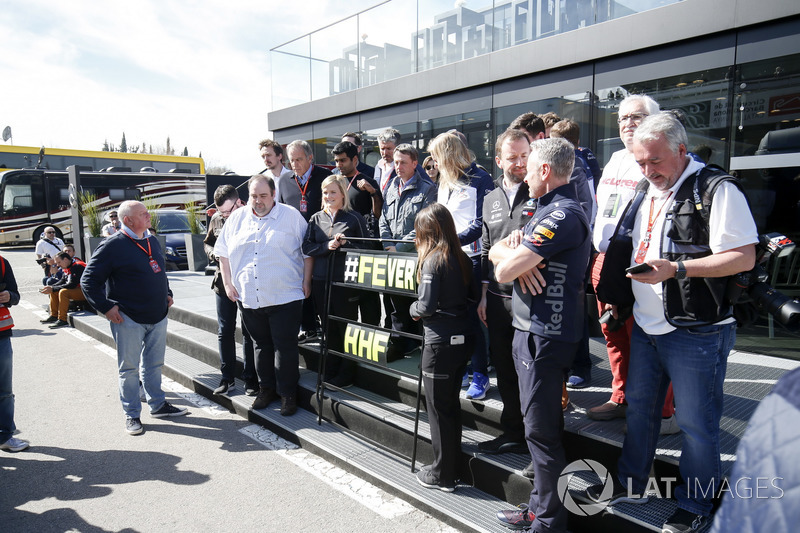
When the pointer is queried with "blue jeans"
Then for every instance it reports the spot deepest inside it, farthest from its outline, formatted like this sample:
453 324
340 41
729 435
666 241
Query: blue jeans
694 359
226 335
7 426
140 342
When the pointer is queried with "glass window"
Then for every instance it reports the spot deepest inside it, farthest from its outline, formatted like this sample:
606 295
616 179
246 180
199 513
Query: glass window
766 149
702 96
385 52
291 73
334 59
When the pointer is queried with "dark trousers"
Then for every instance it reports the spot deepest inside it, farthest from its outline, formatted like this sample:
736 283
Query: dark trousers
226 336
274 332
402 321
541 364
582 365
501 336
480 357
442 368
369 304
309 321
344 303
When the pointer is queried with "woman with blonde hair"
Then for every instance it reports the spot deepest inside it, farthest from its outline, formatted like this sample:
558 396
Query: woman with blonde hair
328 230
445 288
462 187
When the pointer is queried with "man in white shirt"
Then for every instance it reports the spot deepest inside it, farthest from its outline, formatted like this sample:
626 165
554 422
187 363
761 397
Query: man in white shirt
615 189
684 328
48 243
264 270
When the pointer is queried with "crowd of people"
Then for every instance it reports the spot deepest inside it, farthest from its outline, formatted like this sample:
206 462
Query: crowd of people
515 254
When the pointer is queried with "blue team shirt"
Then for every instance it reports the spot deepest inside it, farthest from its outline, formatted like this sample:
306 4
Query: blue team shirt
559 232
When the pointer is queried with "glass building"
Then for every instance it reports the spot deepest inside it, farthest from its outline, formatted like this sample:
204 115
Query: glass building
424 67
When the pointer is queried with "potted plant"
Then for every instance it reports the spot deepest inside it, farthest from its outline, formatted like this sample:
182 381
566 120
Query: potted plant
92 221
195 249
152 207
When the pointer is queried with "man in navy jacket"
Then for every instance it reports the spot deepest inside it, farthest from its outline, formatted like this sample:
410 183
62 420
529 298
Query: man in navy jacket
126 280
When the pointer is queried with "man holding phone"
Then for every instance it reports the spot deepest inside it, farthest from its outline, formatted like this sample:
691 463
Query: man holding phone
684 326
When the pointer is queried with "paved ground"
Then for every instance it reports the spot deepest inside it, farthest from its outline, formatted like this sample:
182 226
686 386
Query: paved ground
208 471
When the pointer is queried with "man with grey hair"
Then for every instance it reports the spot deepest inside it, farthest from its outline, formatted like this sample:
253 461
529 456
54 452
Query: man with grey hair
126 280
615 189
388 140
303 191
548 319
684 326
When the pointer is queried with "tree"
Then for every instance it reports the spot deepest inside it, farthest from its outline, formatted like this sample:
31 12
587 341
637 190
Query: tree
123 146
185 151
105 146
170 150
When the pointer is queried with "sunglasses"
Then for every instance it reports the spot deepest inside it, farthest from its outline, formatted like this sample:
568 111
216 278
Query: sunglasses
113 216
430 167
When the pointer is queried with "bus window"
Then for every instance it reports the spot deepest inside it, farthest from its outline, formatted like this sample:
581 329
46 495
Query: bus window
17 198
117 195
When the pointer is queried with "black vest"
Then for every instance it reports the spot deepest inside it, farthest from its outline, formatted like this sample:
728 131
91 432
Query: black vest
694 301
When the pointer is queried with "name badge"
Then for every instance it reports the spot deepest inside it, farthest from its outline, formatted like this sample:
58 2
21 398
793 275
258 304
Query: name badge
303 204
154 265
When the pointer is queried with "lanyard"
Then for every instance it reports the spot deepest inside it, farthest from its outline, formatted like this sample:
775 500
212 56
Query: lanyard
149 250
651 221
303 188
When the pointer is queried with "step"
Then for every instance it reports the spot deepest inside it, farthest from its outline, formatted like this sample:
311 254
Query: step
468 509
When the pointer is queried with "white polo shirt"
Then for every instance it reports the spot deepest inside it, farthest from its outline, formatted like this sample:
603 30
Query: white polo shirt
265 254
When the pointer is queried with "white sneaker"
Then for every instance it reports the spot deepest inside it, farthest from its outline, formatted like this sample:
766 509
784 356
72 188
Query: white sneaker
14 445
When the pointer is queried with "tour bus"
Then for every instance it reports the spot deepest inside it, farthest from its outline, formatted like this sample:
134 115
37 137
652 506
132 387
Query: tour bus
33 199
21 157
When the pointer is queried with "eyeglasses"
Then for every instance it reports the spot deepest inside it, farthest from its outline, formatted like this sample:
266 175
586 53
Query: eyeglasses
430 167
637 118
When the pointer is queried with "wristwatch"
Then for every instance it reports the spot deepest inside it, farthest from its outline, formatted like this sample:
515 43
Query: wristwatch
681 272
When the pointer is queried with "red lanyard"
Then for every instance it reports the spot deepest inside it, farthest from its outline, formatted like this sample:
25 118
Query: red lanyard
651 221
149 250
302 188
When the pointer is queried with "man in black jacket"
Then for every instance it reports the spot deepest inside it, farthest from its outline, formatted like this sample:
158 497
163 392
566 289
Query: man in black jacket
505 209
66 289
303 191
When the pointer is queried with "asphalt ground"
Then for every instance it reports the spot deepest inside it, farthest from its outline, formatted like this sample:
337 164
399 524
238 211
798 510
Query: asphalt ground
208 471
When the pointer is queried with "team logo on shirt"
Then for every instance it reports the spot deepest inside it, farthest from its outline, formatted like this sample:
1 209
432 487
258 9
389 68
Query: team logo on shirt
541 230
558 214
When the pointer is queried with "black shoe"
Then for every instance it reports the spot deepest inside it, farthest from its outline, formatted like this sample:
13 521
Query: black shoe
59 324
169 410
516 518
618 494
503 444
225 387
264 398
49 320
528 471
683 521
133 426
288 405
251 388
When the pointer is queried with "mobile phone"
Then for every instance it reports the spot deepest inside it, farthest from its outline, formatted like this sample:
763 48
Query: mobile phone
641 268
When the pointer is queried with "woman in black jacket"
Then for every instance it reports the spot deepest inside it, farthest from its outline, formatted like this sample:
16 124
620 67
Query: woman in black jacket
327 232
444 274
